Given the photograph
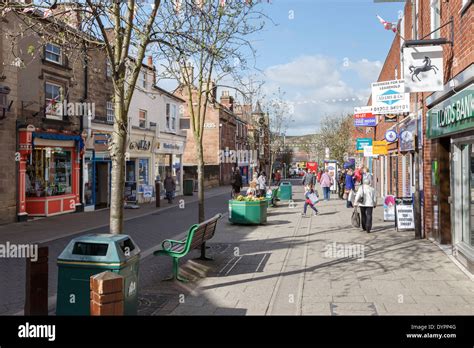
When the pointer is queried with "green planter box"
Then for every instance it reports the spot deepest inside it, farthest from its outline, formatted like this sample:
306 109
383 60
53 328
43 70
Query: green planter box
248 213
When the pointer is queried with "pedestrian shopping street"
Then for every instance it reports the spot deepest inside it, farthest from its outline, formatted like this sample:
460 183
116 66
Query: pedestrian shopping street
318 265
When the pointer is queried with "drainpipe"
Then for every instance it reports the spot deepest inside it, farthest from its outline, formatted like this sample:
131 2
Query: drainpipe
81 125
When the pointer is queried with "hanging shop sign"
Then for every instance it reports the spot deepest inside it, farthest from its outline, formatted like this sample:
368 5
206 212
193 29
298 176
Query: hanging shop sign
389 97
363 117
380 147
423 68
363 142
141 145
404 214
407 135
391 136
454 115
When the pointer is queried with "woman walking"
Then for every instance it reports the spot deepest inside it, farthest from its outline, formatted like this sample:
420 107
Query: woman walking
311 198
366 199
326 182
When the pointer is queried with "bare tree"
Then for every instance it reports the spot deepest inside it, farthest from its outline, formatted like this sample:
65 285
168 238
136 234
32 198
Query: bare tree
123 30
336 134
206 42
280 115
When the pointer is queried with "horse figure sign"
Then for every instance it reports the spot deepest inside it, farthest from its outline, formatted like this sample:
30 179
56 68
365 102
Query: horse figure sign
426 67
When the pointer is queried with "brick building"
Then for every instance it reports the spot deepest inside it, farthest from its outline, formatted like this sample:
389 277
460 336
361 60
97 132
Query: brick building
443 127
49 105
220 139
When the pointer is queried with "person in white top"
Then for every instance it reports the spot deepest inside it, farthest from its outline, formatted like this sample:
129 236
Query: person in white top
262 184
368 197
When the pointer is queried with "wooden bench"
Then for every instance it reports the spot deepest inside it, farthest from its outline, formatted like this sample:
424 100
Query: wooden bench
196 238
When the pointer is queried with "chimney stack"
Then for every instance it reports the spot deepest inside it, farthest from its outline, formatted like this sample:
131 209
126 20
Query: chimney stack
150 64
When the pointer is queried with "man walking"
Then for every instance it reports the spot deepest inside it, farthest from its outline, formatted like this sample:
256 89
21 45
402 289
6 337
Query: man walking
170 186
309 179
236 183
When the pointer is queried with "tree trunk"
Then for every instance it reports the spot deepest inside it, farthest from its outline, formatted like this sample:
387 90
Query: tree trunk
119 143
200 170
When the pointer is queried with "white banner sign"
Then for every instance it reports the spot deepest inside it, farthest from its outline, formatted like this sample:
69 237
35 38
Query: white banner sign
389 97
368 151
423 68
405 217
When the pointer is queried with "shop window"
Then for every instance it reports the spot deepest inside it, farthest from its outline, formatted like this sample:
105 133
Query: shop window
142 118
53 53
54 98
49 173
110 112
468 193
142 173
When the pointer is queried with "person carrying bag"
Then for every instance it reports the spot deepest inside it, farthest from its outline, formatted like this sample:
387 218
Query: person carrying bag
366 199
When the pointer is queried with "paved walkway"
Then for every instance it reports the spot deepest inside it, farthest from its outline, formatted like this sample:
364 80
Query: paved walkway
313 265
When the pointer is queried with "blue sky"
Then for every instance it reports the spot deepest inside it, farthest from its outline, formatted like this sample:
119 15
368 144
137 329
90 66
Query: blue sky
322 51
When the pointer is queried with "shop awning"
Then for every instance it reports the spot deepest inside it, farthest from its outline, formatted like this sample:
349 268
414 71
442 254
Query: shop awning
58 137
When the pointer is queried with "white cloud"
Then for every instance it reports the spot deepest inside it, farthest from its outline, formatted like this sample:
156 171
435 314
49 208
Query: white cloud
318 86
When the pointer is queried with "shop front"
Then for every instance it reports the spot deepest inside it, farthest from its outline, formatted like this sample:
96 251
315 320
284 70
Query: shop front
139 182
450 125
96 174
168 159
49 173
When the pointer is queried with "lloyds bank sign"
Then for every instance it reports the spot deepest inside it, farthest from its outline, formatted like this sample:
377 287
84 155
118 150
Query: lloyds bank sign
454 115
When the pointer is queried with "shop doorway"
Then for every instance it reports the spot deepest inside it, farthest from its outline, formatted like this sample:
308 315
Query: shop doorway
102 185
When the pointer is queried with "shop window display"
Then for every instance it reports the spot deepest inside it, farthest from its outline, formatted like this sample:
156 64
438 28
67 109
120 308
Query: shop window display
49 173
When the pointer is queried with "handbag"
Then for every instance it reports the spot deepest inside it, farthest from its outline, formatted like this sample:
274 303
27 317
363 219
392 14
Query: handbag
361 198
313 198
355 220
351 196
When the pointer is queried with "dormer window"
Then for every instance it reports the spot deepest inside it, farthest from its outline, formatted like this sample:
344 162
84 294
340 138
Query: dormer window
53 53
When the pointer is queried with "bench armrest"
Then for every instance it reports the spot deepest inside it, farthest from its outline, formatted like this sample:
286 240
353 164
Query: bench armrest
170 243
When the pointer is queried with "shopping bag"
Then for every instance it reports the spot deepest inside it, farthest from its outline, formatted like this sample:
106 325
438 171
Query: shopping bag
313 197
355 218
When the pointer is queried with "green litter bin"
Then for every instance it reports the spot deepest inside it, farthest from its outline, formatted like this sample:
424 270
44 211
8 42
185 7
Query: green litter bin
286 191
188 187
91 254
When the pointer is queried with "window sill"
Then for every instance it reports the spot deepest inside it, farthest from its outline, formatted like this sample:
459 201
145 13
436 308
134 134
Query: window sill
54 64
